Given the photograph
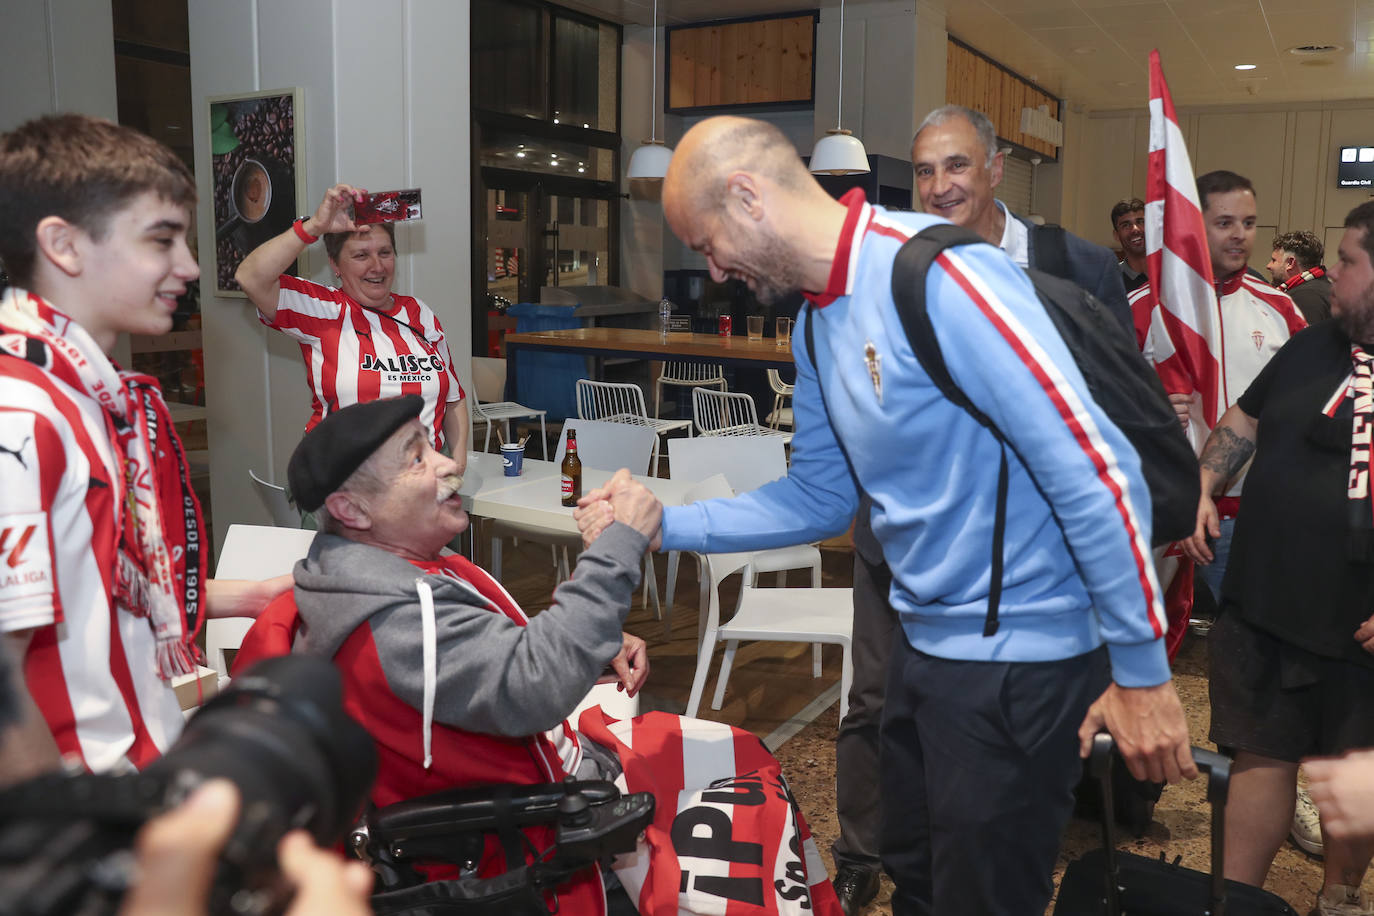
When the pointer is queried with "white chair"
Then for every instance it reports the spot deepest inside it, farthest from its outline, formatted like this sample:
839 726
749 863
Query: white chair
687 375
603 446
250 552
746 463
780 415
489 408
278 506
728 413
617 402
815 615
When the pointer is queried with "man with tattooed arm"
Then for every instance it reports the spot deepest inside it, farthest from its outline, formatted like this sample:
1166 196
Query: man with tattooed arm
1292 652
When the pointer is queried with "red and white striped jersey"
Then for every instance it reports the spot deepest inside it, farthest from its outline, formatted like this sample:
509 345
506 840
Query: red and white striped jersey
354 354
89 665
1256 321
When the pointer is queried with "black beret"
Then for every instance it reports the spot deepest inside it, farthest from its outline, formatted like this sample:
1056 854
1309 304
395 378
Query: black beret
339 445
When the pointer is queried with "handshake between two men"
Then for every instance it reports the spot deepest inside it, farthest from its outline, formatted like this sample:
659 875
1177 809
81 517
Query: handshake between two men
625 499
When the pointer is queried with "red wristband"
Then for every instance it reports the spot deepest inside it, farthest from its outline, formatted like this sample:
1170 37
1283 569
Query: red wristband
299 228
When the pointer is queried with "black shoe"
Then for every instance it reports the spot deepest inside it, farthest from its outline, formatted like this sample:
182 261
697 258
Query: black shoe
855 885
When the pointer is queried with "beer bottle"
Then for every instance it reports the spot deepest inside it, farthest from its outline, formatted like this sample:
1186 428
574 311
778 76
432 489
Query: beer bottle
572 472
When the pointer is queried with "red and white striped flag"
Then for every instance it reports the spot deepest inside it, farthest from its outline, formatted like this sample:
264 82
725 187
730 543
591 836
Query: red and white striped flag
728 838
1179 266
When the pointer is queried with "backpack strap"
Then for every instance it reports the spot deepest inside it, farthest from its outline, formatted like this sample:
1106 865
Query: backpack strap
909 273
811 352
1051 251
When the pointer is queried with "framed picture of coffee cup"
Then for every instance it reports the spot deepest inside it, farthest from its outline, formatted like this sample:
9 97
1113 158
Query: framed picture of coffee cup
255 148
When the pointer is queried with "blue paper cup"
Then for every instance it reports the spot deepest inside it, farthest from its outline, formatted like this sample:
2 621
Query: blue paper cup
512 458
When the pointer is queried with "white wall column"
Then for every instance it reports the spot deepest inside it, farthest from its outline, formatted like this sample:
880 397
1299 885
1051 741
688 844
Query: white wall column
386 95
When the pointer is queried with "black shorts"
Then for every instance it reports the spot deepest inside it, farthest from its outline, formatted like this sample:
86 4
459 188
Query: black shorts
1278 701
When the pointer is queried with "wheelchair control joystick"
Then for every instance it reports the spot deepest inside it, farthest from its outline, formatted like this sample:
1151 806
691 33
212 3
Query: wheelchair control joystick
573 809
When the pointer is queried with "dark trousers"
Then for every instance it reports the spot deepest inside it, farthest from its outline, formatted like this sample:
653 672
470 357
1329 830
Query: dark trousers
979 761
857 799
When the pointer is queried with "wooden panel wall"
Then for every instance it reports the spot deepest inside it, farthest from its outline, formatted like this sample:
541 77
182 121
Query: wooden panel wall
762 61
975 82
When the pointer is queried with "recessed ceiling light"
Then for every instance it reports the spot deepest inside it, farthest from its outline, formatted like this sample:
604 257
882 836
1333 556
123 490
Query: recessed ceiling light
586 125
520 154
1245 66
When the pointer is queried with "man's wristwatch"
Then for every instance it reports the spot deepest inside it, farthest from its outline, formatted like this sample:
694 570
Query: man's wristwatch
299 228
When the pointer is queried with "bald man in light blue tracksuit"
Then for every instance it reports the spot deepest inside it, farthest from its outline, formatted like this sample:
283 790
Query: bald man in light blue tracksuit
980 734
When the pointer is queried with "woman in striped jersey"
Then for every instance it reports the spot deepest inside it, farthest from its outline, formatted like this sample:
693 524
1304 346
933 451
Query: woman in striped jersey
359 340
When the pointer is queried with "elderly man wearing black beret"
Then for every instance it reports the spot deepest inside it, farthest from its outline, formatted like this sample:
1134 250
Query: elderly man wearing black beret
425 640
458 687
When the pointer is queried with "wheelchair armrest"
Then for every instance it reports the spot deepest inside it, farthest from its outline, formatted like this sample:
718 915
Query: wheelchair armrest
593 821
480 808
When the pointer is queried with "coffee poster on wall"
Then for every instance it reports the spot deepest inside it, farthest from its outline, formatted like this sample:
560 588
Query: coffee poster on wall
254 148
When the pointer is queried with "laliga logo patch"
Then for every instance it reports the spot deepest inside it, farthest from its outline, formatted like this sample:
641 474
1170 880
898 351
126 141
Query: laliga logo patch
1258 338
25 563
21 541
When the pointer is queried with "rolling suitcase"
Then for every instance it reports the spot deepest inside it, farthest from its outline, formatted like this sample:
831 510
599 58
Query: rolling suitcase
1112 883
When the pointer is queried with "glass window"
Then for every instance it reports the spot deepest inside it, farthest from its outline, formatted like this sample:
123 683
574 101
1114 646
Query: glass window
585 63
507 63
527 153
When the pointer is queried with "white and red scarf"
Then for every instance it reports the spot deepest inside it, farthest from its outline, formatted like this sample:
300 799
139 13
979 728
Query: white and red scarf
161 567
1361 514
1314 273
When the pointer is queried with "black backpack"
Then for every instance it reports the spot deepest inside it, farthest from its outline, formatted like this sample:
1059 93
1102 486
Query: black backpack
1122 383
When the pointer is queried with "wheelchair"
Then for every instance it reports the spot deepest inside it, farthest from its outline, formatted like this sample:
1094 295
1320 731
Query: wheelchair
592 822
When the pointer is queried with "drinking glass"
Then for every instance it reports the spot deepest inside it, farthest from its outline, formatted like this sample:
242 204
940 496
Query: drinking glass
784 332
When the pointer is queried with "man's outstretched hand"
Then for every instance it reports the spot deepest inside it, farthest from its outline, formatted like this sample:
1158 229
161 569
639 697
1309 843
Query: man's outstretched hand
1148 726
622 499
631 664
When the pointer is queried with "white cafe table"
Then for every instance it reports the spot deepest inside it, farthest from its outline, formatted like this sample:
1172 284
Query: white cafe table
536 500
486 474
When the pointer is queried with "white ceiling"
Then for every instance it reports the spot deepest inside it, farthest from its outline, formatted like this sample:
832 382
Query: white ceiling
1096 52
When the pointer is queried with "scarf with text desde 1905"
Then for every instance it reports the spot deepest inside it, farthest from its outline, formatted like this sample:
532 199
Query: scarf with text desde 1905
161 566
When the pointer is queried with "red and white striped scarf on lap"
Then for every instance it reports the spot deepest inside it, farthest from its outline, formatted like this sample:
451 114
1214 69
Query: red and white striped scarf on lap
162 566
1361 515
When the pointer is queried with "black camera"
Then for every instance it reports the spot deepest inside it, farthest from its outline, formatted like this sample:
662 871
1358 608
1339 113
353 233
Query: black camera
279 733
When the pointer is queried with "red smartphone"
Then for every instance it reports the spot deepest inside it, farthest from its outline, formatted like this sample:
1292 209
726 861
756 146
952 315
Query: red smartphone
387 207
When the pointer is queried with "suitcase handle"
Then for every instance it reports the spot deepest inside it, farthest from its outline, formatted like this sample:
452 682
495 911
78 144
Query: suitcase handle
1218 769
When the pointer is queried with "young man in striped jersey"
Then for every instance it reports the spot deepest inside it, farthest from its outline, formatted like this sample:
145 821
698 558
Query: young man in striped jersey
980 735
102 561
1256 321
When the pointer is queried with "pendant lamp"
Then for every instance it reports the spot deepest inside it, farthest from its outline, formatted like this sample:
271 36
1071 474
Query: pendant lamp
839 152
651 160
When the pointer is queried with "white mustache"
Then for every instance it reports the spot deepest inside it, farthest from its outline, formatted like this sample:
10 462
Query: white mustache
448 486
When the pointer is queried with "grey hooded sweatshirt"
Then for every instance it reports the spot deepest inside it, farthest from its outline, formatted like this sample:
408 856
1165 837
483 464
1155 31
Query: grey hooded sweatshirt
490 674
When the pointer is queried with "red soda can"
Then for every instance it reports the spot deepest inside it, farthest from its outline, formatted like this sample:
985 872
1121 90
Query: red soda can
725 325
